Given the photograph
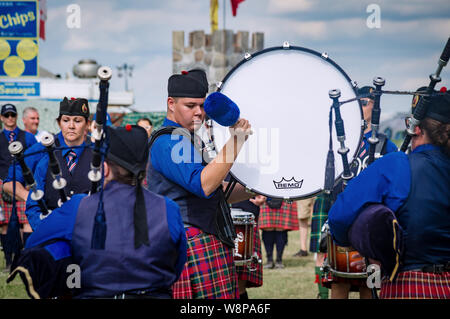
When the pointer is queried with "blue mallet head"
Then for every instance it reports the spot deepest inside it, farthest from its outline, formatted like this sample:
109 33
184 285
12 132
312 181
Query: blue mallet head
221 109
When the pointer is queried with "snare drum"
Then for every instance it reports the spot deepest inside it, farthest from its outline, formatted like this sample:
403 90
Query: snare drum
283 92
244 223
338 263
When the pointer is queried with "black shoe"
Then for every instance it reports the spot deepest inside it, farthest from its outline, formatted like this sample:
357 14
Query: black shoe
301 253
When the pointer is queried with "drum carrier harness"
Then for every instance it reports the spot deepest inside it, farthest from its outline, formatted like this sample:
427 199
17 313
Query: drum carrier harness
223 222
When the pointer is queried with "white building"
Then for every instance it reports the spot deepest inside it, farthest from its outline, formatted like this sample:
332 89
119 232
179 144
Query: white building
46 91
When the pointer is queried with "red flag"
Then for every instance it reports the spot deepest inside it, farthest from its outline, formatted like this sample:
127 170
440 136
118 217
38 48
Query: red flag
42 18
234 6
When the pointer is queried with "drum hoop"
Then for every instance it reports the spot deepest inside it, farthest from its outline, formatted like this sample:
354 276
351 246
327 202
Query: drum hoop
329 60
350 275
244 222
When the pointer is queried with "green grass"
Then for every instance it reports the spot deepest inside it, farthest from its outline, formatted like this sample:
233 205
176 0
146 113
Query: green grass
13 290
295 281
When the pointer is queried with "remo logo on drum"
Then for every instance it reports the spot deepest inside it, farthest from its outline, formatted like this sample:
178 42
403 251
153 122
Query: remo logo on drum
288 184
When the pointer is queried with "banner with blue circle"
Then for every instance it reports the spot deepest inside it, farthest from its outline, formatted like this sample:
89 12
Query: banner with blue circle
19 42
18 57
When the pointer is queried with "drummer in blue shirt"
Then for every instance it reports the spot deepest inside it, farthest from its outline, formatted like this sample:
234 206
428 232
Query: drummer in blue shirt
74 159
179 170
416 188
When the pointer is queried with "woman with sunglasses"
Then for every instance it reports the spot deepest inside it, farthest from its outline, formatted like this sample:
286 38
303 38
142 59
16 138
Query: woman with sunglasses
11 132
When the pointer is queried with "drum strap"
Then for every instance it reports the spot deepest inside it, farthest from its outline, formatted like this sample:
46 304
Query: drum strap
224 223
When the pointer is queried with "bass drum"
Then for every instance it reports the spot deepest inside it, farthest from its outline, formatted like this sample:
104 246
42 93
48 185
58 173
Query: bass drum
283 92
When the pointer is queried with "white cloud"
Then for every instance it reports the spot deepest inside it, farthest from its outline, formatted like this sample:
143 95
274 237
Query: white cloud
283 6
140 33
149 83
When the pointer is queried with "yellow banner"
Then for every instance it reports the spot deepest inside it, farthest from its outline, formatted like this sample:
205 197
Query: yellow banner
214 13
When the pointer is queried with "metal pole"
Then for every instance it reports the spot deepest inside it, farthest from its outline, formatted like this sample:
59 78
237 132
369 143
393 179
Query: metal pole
224 12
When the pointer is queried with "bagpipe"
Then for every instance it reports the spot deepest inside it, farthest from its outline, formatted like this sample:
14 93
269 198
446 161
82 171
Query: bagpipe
338 261
50 148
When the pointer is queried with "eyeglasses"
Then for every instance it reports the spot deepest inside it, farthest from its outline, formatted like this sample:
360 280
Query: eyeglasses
10 115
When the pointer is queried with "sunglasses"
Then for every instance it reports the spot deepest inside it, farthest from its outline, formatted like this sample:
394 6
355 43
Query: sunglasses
364 102
10 115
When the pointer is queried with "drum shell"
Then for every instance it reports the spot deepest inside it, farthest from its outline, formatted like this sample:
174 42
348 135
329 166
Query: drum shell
340 259
244 224
244 242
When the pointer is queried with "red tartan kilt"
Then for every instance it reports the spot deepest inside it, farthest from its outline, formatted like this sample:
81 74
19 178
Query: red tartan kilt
7 210
254 278
209 272
283 218
417 285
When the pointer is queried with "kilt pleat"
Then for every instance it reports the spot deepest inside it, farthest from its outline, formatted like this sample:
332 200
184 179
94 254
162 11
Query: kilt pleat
7 210
319 217
254 278
209 272
417 285
284 217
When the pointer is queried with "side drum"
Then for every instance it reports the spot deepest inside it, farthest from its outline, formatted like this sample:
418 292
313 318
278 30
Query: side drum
244 223
338 263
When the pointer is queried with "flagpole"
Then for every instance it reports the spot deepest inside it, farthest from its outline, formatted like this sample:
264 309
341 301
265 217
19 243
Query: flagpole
224 11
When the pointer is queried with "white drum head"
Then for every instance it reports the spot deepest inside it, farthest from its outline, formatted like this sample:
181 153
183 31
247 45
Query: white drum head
284 95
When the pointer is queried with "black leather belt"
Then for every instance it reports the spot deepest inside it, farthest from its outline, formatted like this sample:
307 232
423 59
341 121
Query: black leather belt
435 269
133 296
144 294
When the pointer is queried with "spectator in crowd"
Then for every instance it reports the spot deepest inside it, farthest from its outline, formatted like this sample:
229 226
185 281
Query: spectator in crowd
277 217
305 209
147 124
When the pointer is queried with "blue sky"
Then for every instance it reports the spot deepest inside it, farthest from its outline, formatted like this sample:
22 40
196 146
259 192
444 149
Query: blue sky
404 50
